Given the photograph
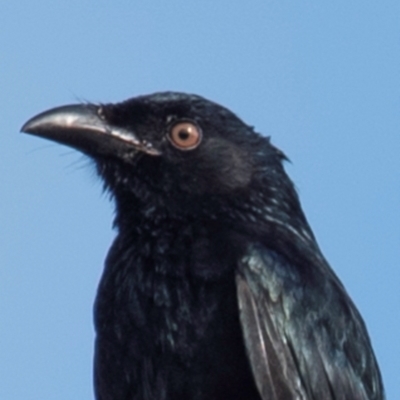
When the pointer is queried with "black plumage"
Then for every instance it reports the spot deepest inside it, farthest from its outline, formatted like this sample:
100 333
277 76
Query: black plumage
215 287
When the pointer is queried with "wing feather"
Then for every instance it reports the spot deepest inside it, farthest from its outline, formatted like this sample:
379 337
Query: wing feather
270 360
305 341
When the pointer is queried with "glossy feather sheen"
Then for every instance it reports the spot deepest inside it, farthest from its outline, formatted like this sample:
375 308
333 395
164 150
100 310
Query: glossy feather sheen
215 287
316 338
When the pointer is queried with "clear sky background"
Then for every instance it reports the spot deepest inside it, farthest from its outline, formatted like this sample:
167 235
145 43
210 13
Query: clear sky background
322 78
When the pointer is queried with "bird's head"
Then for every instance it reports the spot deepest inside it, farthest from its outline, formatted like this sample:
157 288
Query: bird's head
179 155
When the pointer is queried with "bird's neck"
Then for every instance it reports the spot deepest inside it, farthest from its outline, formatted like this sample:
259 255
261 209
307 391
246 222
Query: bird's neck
159 275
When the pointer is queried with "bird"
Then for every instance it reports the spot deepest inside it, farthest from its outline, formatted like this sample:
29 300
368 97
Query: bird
214 287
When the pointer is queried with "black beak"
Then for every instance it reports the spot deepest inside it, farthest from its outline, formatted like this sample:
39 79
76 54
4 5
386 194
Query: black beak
83 127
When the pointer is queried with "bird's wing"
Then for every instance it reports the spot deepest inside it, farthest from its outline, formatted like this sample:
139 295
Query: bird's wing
304 339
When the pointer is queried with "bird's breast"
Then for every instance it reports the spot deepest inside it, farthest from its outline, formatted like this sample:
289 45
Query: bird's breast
168 306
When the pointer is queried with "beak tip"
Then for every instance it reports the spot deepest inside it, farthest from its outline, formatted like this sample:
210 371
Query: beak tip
34 125
25 127
54 119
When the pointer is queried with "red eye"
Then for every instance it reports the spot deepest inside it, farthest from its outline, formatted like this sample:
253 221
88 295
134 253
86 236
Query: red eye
185 135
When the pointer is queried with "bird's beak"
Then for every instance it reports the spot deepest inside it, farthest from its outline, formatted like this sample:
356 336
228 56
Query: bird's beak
83 127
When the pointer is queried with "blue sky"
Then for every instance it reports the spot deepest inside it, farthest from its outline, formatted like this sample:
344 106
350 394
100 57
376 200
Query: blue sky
321 79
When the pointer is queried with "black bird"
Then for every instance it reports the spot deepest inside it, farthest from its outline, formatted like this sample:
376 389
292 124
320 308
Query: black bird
215 287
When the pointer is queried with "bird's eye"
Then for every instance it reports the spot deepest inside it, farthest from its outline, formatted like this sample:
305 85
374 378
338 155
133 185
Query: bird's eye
185 135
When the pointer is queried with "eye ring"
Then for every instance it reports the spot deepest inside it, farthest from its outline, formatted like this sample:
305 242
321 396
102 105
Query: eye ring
185 135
